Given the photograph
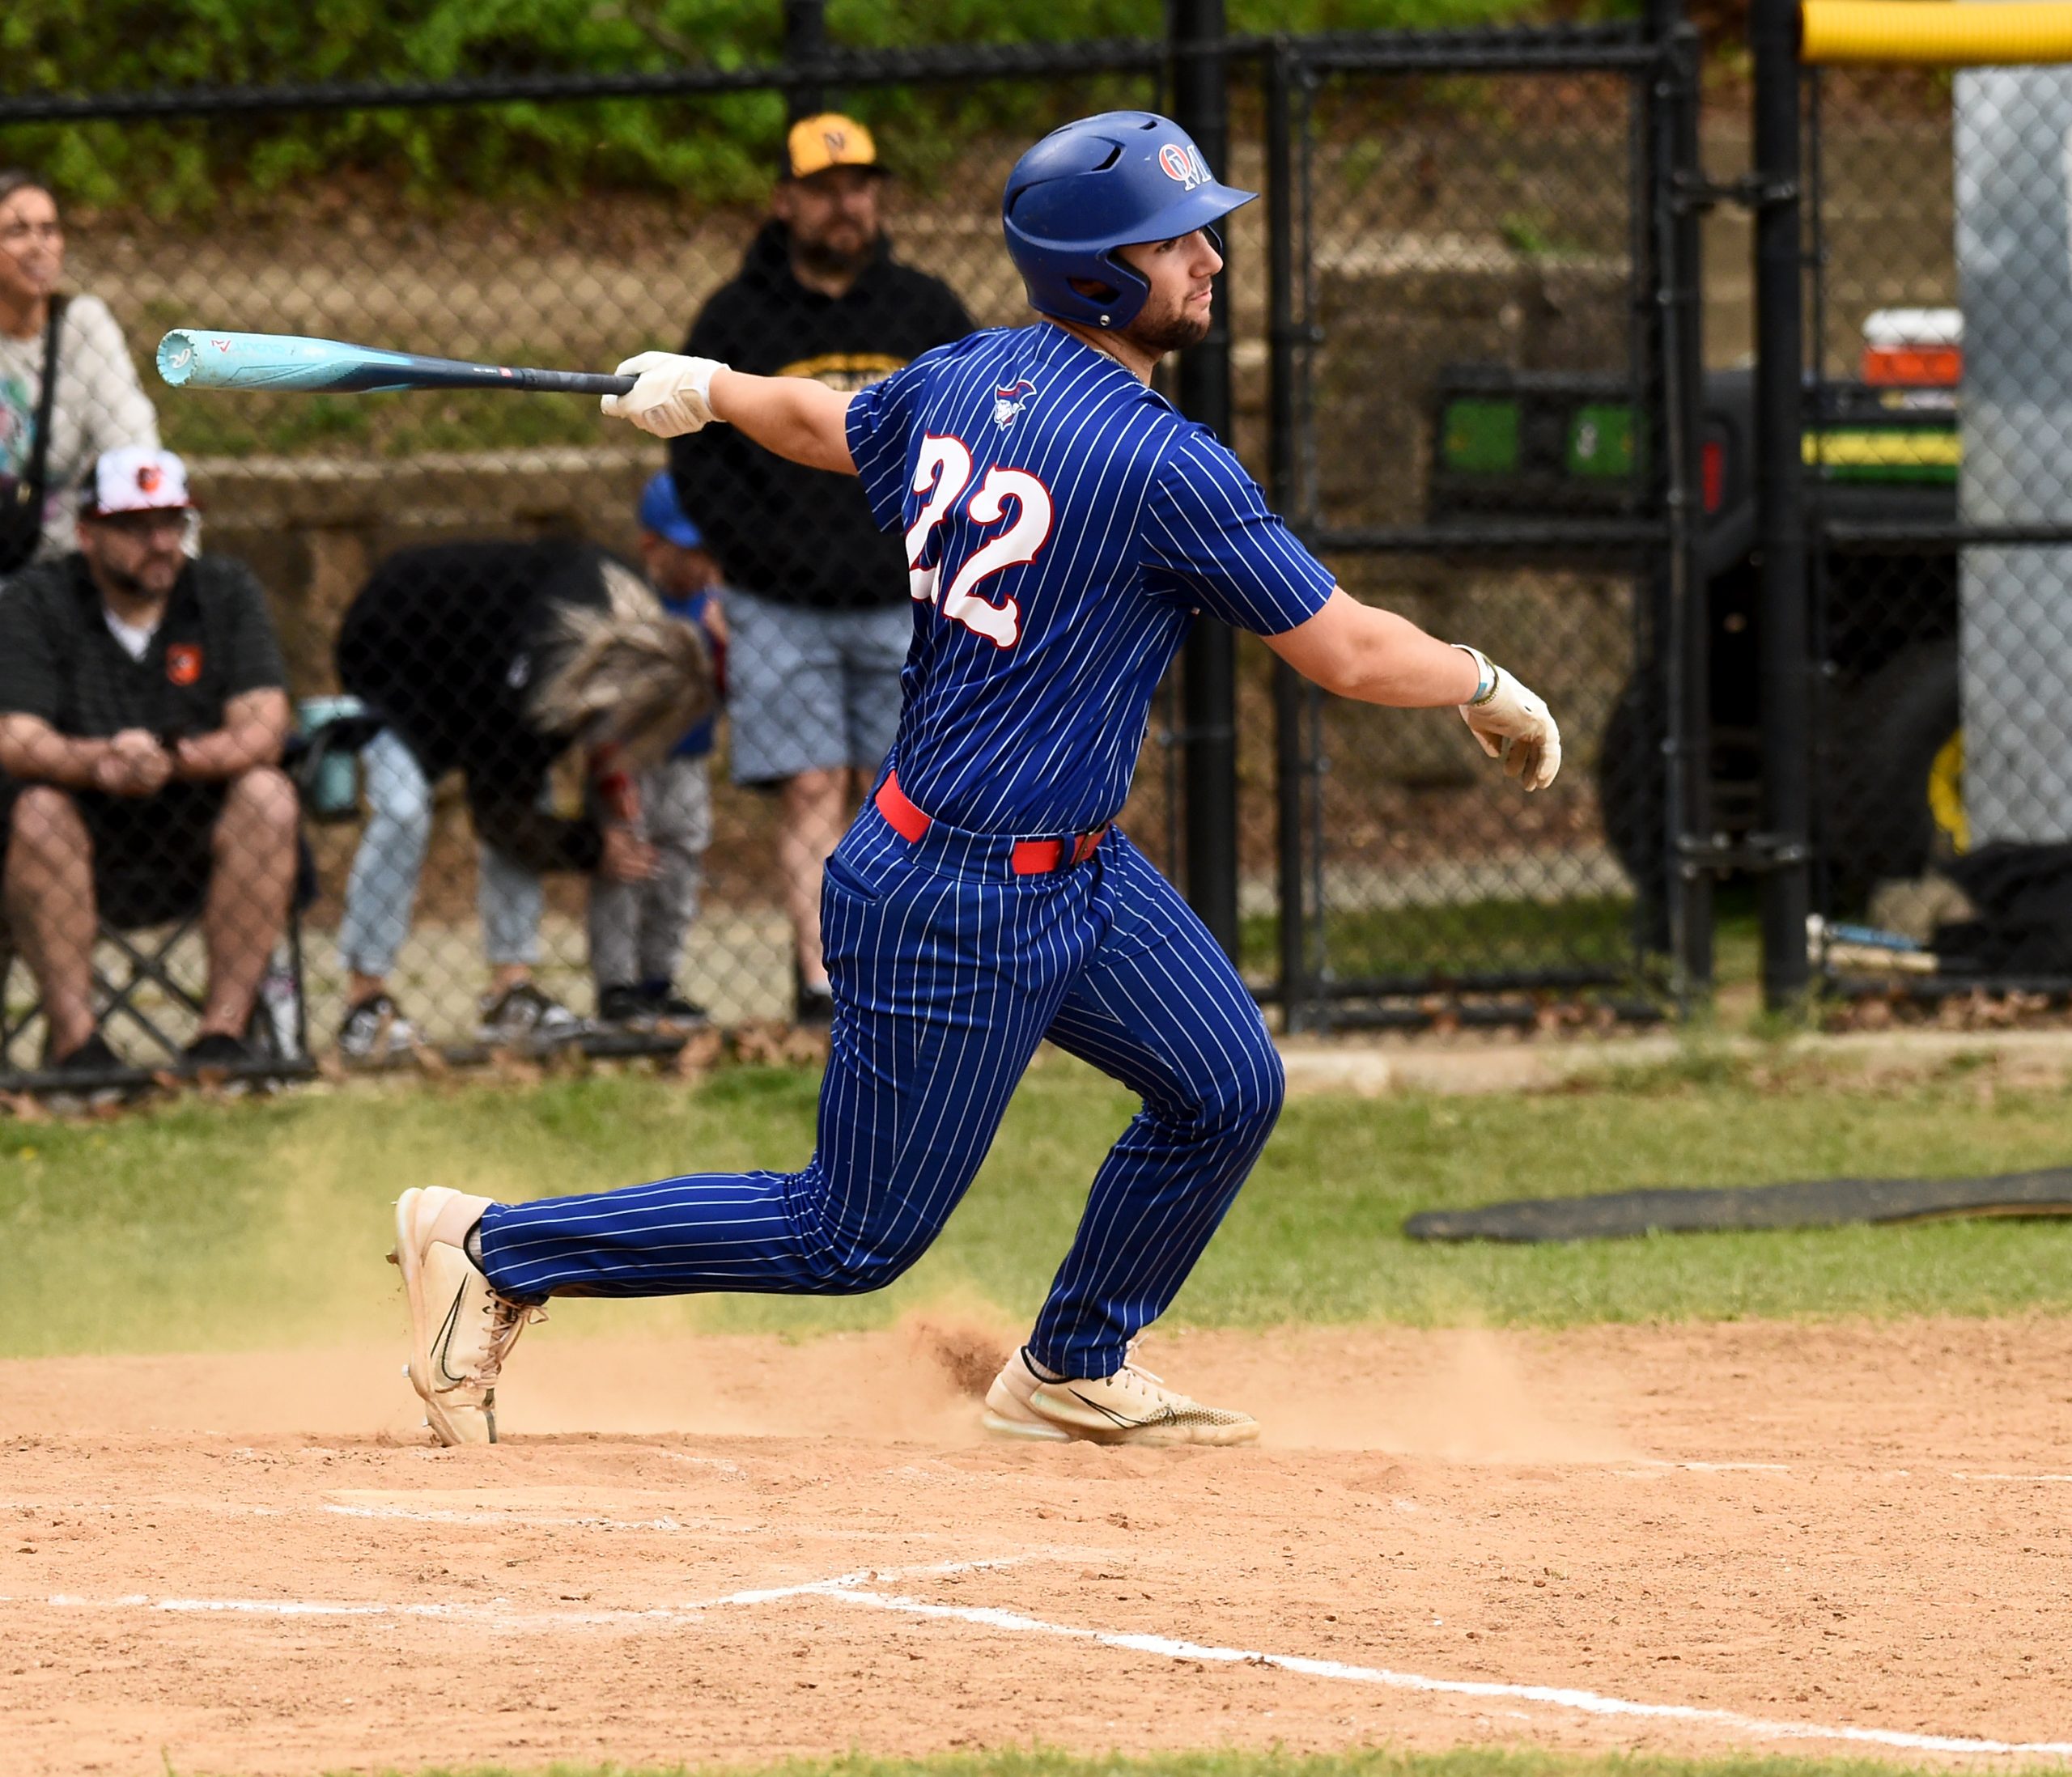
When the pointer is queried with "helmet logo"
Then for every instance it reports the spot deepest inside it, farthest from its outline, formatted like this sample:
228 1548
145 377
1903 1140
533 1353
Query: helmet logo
1010 401
1183 163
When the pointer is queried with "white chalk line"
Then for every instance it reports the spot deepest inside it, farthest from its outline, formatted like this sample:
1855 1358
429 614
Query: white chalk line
1958 1475
1649 1466
846 1588
583 1521
1559 1697
489 1516
498 1614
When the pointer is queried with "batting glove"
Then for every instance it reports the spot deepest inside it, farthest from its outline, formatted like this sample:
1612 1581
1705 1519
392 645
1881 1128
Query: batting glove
1513 724
673 395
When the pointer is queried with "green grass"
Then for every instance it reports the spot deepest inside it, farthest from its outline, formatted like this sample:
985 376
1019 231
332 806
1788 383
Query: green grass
206 1226
1473 935
1376 1762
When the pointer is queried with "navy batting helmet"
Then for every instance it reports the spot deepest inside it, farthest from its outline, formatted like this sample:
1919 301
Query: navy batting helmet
1113 181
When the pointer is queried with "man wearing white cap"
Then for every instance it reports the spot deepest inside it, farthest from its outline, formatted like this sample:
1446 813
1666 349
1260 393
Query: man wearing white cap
142 710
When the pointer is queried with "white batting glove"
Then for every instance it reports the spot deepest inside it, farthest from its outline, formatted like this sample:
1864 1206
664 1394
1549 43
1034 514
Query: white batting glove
673 395
1513 724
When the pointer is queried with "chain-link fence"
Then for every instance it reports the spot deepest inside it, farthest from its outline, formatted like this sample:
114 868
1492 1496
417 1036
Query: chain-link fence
441 571
1941 326
1480 445
502 814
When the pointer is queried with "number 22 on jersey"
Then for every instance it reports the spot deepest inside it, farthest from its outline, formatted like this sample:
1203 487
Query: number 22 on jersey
942 474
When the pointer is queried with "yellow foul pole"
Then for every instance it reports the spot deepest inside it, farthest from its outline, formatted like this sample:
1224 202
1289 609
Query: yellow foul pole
1944 33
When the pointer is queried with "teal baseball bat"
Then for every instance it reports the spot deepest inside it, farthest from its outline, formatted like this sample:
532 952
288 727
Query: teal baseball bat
196 358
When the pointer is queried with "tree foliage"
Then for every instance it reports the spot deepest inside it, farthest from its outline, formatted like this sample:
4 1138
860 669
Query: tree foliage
719 148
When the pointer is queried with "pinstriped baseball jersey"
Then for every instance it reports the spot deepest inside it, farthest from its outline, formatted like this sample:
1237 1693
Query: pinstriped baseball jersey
1062 525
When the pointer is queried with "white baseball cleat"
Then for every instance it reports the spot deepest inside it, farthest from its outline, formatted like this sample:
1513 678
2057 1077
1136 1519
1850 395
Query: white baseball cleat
1131 1406
462 1330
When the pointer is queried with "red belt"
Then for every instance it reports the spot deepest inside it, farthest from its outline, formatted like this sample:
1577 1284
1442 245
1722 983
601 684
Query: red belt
1030 857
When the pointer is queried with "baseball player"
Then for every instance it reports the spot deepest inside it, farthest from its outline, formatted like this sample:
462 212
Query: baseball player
1064 524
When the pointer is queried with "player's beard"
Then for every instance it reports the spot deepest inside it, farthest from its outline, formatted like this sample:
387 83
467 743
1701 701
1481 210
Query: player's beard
1169 330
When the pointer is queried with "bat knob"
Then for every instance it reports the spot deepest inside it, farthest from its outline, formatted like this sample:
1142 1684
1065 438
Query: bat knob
176 357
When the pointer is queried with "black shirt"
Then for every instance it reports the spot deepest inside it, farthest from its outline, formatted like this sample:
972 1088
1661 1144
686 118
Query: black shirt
59 660
443 643
804 536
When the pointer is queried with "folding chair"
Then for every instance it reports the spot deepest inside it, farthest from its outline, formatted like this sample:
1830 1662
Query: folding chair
136 965
136 978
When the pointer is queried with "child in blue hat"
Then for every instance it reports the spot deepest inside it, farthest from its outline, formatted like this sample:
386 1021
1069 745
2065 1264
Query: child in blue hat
637 929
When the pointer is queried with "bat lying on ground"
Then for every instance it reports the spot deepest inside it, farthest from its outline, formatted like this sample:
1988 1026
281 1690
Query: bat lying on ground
194 358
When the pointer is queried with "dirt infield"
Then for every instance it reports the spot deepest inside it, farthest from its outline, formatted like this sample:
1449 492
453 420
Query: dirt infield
1681 1538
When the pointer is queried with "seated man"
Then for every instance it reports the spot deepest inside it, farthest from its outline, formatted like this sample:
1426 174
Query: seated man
142 708
495 659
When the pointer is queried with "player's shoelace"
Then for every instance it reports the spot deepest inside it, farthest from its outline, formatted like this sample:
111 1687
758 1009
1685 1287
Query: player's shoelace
1137 1369
507 1320
1148 1389
1151 1388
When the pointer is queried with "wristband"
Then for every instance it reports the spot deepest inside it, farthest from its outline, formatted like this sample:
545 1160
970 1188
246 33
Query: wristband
1485 668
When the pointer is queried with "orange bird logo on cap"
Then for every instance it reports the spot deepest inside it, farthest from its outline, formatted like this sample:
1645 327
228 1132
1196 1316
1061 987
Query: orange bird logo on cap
149 475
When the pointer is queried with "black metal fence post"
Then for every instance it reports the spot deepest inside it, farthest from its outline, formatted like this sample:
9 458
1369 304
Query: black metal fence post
1786 659
1210 672
1291 755
1682 647
805 43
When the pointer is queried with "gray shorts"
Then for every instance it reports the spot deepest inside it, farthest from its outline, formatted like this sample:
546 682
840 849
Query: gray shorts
811 690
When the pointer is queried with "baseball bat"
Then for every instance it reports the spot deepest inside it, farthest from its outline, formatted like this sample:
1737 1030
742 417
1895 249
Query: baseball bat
194 357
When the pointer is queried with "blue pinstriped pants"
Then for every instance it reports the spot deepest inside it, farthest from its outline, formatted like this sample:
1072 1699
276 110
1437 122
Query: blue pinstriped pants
948 970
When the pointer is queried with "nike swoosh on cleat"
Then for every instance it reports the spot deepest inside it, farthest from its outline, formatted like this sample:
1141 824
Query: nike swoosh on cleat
444 1342
1164 1415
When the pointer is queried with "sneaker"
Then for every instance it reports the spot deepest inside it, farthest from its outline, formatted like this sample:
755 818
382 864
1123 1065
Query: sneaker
462 1330
625 1008
214 1048
1131 1406
92 1057
650 1005
525 1014
666 1006
375 1029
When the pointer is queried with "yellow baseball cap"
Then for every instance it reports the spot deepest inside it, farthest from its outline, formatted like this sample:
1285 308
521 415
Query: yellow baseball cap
829 140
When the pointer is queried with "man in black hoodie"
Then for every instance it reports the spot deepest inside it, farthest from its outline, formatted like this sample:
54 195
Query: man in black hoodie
817 612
